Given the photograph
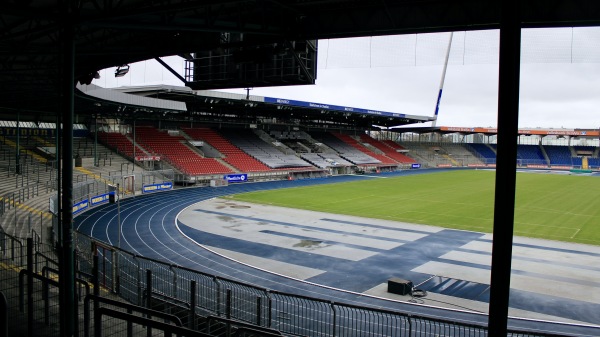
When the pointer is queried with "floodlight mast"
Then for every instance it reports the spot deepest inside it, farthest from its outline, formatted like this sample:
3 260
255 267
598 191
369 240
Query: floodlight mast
439 98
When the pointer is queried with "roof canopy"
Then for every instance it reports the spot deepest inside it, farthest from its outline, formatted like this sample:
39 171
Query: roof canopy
44 45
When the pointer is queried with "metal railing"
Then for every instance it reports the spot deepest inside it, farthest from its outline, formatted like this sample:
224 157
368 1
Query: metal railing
185 292
205 304
125 287
3 316
12 199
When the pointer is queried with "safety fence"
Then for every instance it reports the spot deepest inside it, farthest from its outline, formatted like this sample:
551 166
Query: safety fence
121 294
10 200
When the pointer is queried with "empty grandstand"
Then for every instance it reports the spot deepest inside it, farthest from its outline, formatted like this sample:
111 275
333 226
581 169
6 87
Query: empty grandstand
138 142
126 158
115 162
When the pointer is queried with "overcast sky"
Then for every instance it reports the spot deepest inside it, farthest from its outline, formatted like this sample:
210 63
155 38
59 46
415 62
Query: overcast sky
560 77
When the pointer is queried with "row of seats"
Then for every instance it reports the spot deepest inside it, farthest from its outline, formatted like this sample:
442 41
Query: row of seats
234 156
268 154
534 154
354 143
345 150
242 150
121 143
389 149
175 151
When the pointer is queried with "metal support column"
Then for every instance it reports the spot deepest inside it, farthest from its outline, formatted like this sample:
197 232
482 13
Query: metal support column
134 142
18 154
504 205
66 255
96 163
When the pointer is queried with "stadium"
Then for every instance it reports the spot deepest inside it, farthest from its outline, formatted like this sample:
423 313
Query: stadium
195 212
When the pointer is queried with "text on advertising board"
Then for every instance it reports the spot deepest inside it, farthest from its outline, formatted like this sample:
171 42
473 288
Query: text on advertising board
236 178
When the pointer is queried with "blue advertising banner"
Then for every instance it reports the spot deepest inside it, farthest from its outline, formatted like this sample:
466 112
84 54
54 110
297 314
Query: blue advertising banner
332 107
236 178
416 166
100 199
157 187
80 206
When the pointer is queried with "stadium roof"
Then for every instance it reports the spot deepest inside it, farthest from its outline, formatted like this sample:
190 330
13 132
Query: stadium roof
118 98
586 133
209 106
35 66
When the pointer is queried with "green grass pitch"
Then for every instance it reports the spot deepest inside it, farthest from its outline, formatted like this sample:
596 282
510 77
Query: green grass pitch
548 206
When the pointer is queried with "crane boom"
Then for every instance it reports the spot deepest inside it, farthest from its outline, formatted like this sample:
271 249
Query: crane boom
439 98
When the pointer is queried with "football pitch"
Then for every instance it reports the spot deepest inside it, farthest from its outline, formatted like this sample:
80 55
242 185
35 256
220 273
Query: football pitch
548 206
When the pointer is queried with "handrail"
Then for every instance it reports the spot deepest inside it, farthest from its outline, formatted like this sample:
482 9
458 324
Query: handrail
46 270
411 318
240 325
129 307
47 260
148 322
3 316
